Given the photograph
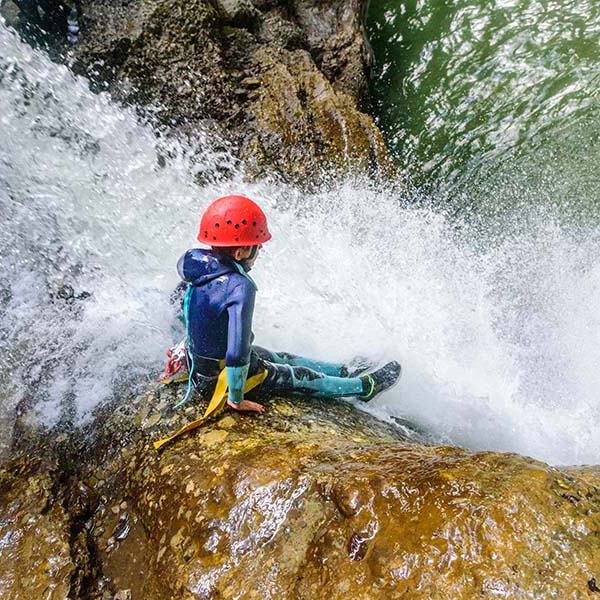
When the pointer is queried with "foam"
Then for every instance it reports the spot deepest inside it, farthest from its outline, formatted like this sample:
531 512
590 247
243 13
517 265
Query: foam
498 334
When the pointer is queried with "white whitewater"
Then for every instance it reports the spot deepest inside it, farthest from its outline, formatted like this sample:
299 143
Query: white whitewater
498 335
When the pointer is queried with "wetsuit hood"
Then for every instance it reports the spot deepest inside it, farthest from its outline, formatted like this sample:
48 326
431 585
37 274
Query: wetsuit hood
198 266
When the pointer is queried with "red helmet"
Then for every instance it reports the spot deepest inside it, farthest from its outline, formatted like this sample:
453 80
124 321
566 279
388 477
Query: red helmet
233 221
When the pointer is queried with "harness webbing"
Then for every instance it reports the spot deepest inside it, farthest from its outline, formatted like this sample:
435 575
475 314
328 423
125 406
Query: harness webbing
216 404
219 397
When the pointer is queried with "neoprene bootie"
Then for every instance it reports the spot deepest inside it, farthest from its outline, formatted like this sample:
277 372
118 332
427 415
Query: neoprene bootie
380 381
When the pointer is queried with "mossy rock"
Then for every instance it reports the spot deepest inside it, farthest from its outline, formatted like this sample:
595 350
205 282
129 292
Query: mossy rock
302 126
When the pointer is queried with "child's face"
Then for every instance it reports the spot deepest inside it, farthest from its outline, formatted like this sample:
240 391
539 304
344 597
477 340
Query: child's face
246 253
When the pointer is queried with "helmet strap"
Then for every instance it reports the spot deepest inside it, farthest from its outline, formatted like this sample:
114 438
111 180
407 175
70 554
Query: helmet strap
253 254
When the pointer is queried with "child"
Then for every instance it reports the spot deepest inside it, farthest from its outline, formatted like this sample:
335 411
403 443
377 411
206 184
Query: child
218 309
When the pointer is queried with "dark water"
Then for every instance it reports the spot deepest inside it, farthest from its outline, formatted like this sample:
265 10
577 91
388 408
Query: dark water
464 86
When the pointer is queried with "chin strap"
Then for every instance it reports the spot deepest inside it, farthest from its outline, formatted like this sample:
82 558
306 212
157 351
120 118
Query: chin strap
244 263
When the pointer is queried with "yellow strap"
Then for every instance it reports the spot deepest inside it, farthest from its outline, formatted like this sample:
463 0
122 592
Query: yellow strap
219 397
216 404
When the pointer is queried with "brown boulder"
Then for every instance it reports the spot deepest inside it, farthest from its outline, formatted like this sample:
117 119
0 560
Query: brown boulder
316 499
317 514
313 499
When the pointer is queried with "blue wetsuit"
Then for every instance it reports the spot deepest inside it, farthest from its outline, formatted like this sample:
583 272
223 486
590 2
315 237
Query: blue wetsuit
219 306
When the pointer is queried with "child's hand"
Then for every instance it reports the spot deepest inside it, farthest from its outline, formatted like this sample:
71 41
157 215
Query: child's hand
247 406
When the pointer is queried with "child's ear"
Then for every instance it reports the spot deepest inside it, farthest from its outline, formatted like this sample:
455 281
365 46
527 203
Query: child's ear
238 253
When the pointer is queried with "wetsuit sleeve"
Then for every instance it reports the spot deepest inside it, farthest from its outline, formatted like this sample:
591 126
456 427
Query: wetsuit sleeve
236 382
239 338
239 334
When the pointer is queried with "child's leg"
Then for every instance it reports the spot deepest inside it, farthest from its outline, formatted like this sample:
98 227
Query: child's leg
287 379
285 358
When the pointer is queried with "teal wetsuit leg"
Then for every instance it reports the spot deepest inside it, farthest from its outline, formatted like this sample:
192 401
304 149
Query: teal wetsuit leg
285 358
286 379
324 386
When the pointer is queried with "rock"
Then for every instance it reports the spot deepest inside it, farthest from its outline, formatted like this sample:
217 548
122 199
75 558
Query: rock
213 437
416 518
301 126
278 84
226 422
81 500
122 529
151 421
321 500
337 37
277 29
345 505
10 12
40 22
250 82
35 556
239 12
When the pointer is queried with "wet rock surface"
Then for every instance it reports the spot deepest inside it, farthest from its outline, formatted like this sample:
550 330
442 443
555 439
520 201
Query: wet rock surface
283 85
313 499
35 540
310 500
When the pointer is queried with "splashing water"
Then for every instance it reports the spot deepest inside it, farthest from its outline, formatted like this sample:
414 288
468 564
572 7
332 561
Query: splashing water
497 333
90 222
